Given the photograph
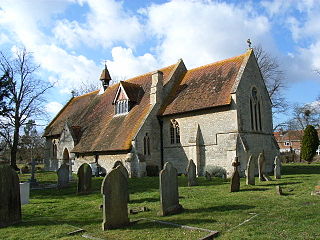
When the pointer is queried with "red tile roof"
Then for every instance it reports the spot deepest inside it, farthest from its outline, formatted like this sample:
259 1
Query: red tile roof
101 130
204 87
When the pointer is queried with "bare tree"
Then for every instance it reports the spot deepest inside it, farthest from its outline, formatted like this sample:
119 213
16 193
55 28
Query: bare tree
304 115
273 77
28 96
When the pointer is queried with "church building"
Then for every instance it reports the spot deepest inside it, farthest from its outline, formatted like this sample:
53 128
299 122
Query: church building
210 114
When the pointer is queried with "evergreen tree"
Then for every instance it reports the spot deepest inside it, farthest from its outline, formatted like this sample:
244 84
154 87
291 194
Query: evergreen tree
5 94
310 143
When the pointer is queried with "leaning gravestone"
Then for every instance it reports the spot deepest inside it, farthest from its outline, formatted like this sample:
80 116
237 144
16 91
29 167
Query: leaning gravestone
191 173
250 180
235 178
277 167
63 176
115 200
84 179
10 205
169 195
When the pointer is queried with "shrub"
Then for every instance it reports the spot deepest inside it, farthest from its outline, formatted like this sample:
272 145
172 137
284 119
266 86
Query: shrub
216 171
310 143
152 171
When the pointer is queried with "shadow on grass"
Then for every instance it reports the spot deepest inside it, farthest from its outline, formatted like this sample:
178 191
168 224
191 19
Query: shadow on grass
300 169
283 184
254 189
222 208
142 200
49 222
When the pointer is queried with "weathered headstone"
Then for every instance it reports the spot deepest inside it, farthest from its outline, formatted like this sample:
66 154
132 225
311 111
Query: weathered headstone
191 173
261 164
124 171
250 171
277 167
33 180
10 205
122 168
115 200
84 179
279 190
235 177
207 176
63 176
169 195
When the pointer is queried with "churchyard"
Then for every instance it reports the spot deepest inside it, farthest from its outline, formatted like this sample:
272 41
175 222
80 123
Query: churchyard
255 212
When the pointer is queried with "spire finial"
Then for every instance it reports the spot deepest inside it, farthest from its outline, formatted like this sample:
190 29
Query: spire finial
249 43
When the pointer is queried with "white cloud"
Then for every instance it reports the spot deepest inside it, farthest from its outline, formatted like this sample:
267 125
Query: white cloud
125 65
4 38
204 31
53 107
106 23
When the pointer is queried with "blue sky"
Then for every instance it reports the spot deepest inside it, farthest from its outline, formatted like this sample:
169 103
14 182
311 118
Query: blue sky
71 39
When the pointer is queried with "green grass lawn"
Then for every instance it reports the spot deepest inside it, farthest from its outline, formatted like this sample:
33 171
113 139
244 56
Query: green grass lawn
53 213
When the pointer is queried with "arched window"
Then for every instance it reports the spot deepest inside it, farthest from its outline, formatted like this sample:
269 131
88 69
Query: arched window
146 145
255 110
174 132
54 150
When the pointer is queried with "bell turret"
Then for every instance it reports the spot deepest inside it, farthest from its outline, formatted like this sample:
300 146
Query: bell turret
105 78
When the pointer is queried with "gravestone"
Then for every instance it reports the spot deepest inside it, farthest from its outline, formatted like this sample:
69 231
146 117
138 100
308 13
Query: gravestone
123 170
279 190
277 167
250 180
191 173
169 195
84 179
33 180
10 205
207 176
63 176
235 178
115 200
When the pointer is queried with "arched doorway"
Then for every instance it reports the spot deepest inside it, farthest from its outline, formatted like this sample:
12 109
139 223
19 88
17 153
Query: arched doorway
66 160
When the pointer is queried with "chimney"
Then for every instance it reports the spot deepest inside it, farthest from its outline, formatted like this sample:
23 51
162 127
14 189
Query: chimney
156 88
105 78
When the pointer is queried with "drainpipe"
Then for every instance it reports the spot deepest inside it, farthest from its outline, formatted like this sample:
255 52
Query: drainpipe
161 142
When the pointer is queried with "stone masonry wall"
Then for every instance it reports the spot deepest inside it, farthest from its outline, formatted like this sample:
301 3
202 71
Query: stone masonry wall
216 138
255 141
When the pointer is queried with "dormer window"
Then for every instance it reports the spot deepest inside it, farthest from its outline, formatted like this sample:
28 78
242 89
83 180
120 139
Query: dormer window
127 95
122 106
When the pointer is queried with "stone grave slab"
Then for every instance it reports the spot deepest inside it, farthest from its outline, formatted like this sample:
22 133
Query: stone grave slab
84 179
10 204
63 176
115 200
191 174
169 195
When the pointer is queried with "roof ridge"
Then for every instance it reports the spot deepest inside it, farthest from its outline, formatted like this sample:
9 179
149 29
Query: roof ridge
219 62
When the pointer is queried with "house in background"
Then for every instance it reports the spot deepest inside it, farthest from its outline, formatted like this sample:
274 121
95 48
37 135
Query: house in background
290 141
210 114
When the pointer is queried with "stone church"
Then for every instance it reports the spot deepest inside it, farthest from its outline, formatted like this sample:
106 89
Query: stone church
209 114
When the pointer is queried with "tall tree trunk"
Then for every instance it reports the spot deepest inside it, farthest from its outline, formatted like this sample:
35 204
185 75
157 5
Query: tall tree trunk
14 147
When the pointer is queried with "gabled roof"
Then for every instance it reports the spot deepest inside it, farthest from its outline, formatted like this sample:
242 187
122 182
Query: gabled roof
133 91
204 87
94 115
